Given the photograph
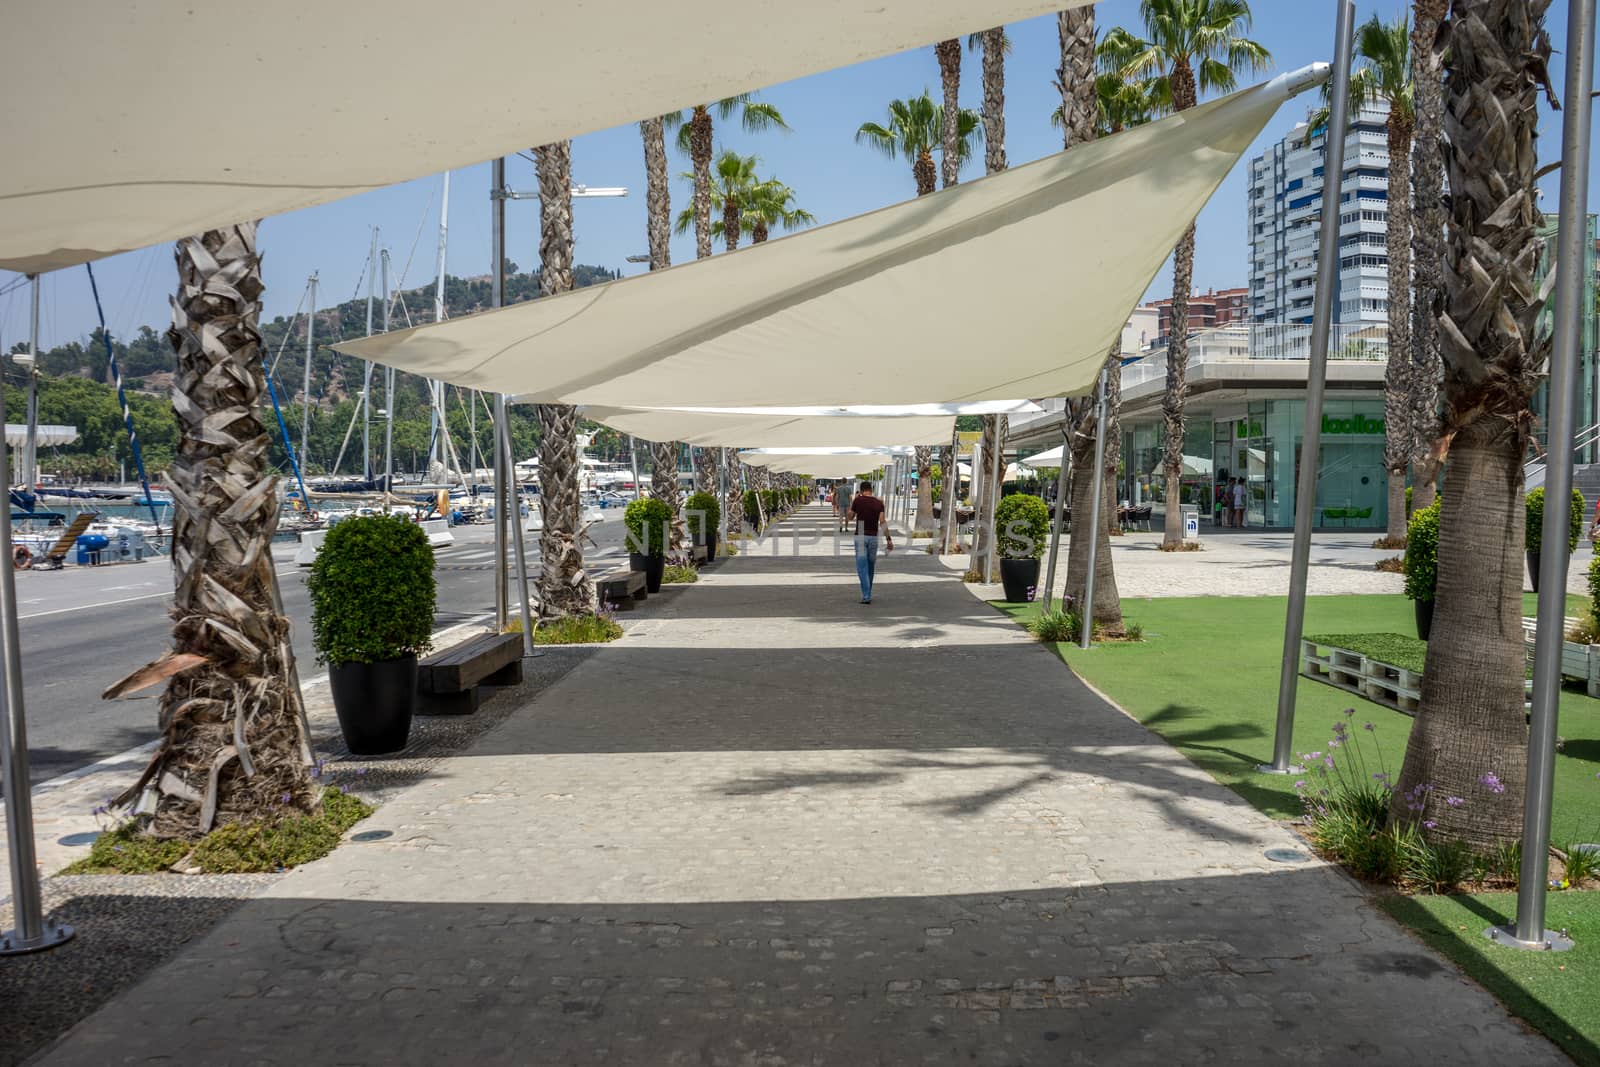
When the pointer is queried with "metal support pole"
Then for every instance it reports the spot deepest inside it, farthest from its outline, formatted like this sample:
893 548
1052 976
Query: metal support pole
633 456
1316 382
997 478
497 295
366 374
980 474
388 399
30 458
305 409
32 931
509 459
722 498
1061 513
949 484
1529 931
1097 481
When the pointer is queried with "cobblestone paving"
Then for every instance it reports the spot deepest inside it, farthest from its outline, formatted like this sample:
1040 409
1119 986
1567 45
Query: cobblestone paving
773 827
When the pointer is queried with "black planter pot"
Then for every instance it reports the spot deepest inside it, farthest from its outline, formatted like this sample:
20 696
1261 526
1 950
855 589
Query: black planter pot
711 545
652 566
1424 612
1533 569
374 702
1019 577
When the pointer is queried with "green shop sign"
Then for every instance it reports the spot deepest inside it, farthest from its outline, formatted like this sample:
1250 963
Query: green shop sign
1356 424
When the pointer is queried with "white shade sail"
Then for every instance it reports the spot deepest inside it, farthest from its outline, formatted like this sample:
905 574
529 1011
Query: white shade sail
1035 269
128 152
1051 458
17 435
821 462
753 427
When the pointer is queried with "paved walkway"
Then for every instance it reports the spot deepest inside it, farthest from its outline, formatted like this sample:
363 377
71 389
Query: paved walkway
774 826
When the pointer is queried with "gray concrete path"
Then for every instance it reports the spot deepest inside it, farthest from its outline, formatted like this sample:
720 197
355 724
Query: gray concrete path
774 826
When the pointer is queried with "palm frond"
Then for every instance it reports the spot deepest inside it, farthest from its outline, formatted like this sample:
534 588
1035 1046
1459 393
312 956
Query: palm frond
759 116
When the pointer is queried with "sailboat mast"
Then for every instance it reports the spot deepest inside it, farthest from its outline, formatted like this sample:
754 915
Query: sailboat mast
30 454
366 376
305 410
388 397
436 388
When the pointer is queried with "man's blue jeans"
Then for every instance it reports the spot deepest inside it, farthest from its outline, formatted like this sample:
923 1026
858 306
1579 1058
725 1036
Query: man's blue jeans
866 563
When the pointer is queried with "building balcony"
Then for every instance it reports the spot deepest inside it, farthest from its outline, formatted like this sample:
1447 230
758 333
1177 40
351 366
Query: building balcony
1263 353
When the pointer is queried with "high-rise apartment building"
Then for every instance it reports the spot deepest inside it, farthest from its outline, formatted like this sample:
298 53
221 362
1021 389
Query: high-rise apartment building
1285 208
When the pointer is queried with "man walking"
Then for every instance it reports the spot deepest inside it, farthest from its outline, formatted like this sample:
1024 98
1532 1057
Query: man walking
867 510
841 502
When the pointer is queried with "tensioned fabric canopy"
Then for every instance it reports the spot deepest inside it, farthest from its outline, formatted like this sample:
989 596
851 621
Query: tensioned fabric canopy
923 424
17 435
821 462
1012 285
128 153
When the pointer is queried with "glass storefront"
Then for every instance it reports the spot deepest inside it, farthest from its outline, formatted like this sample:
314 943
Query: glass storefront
1264 448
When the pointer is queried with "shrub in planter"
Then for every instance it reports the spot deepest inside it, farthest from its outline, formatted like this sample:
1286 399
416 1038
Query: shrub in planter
1594 587
705 520
1021 524
648 521
1533 532
1422 563
372 599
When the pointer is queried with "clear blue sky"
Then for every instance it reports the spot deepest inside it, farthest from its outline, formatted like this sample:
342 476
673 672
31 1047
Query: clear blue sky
833 178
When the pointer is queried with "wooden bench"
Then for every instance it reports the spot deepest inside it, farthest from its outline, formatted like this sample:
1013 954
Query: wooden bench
448 681
700 553
623 587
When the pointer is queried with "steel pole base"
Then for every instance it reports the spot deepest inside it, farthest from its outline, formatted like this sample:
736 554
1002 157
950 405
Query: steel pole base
1506 937
1267 768
12 942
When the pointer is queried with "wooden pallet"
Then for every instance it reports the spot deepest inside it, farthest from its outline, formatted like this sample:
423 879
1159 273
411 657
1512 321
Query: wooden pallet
1577 661
1382 683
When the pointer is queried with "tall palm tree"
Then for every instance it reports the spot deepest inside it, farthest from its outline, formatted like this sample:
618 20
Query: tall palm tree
948 53
914 131
664 487
770 203
1427 245
232 744
732 181
696 138
995 45
1189 47
657 197
1383 55
1470 723
564 586
1080 120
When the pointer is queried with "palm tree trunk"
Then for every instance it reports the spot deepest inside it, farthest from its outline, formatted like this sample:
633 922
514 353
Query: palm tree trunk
705 470
949 497
1427 246
658 197
733 506
924 173
1177 394
1075 77
758 232
994 439
664 486
1113 435
730 221
949 55
1398 430
994 100
564 585
1470 723
700 137
924 520
235 712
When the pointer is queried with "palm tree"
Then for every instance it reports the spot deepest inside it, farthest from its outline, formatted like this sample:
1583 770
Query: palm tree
732 181
916 128
1427 246
1469 741
1189 47
768 205
233 746
564 586
1384 74
1080 119
915 131
995 45
948 53
657 197
696 139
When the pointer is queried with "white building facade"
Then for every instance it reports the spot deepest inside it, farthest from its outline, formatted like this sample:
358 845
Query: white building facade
1285 198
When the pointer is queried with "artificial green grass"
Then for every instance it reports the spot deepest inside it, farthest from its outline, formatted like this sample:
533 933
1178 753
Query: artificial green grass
1397 650
272 844
1205 678
677 574
1555 992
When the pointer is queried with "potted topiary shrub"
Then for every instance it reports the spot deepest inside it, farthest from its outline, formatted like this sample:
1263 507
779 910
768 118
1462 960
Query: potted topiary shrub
372 597
648 521
1422 564
705 521
1534 530
752 509
1021 524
